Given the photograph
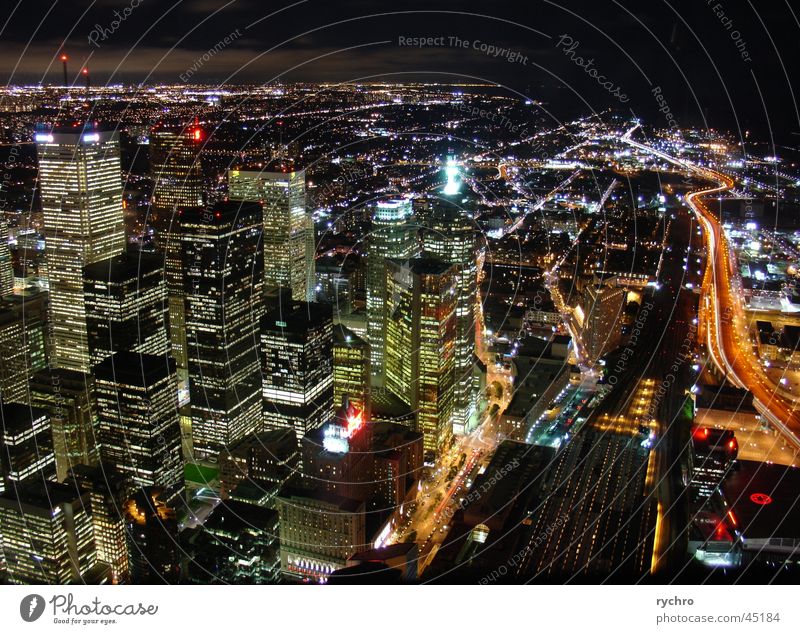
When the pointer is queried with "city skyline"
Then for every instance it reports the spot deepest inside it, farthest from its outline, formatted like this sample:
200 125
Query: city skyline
411 295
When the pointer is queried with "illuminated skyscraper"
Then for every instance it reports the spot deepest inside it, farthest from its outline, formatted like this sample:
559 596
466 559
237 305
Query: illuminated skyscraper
26 444
80 183
139 429
47 533
6 266
420 344
223 281
21 344
176 169
392 236
351 370
68 396
289 241
178 182
126 306
450 237
297 367
108 490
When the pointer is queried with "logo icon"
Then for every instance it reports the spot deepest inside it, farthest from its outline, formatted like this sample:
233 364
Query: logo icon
31 607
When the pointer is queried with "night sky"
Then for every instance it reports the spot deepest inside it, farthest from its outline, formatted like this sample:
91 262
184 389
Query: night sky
688 49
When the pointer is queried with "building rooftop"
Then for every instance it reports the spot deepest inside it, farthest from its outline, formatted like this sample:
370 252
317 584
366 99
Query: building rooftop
124 267
134 368
763 500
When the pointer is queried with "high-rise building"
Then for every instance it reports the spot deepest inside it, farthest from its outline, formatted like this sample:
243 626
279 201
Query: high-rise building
47 533
6 265
237 544
26 444
337 458
107 490
80 183
176 170
22 350
289 242
392 236
223 265
297 366
68 397
421 300
269 460
139 428
602 313
319 531
151 527
351 369
450 236
126 306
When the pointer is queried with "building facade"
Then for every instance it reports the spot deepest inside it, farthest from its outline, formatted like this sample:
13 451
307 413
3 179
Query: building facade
392 236
289 241
223 263
80 183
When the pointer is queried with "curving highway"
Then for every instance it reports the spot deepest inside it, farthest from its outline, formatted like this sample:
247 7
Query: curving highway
723 324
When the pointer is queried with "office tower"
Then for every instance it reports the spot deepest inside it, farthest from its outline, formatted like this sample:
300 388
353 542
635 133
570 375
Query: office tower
297 367
176 169
421 300
351 370
450 236
151 527
177 175
47 533
107 490
6 265
319 532
289 241
337 458
391 236
237 544
333 283
126 306
223 264
26 444
68 397
267 459
713 452
602 311
80 184
138 412
22 350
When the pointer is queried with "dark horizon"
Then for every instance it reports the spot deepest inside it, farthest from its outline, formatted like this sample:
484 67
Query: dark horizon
718 66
